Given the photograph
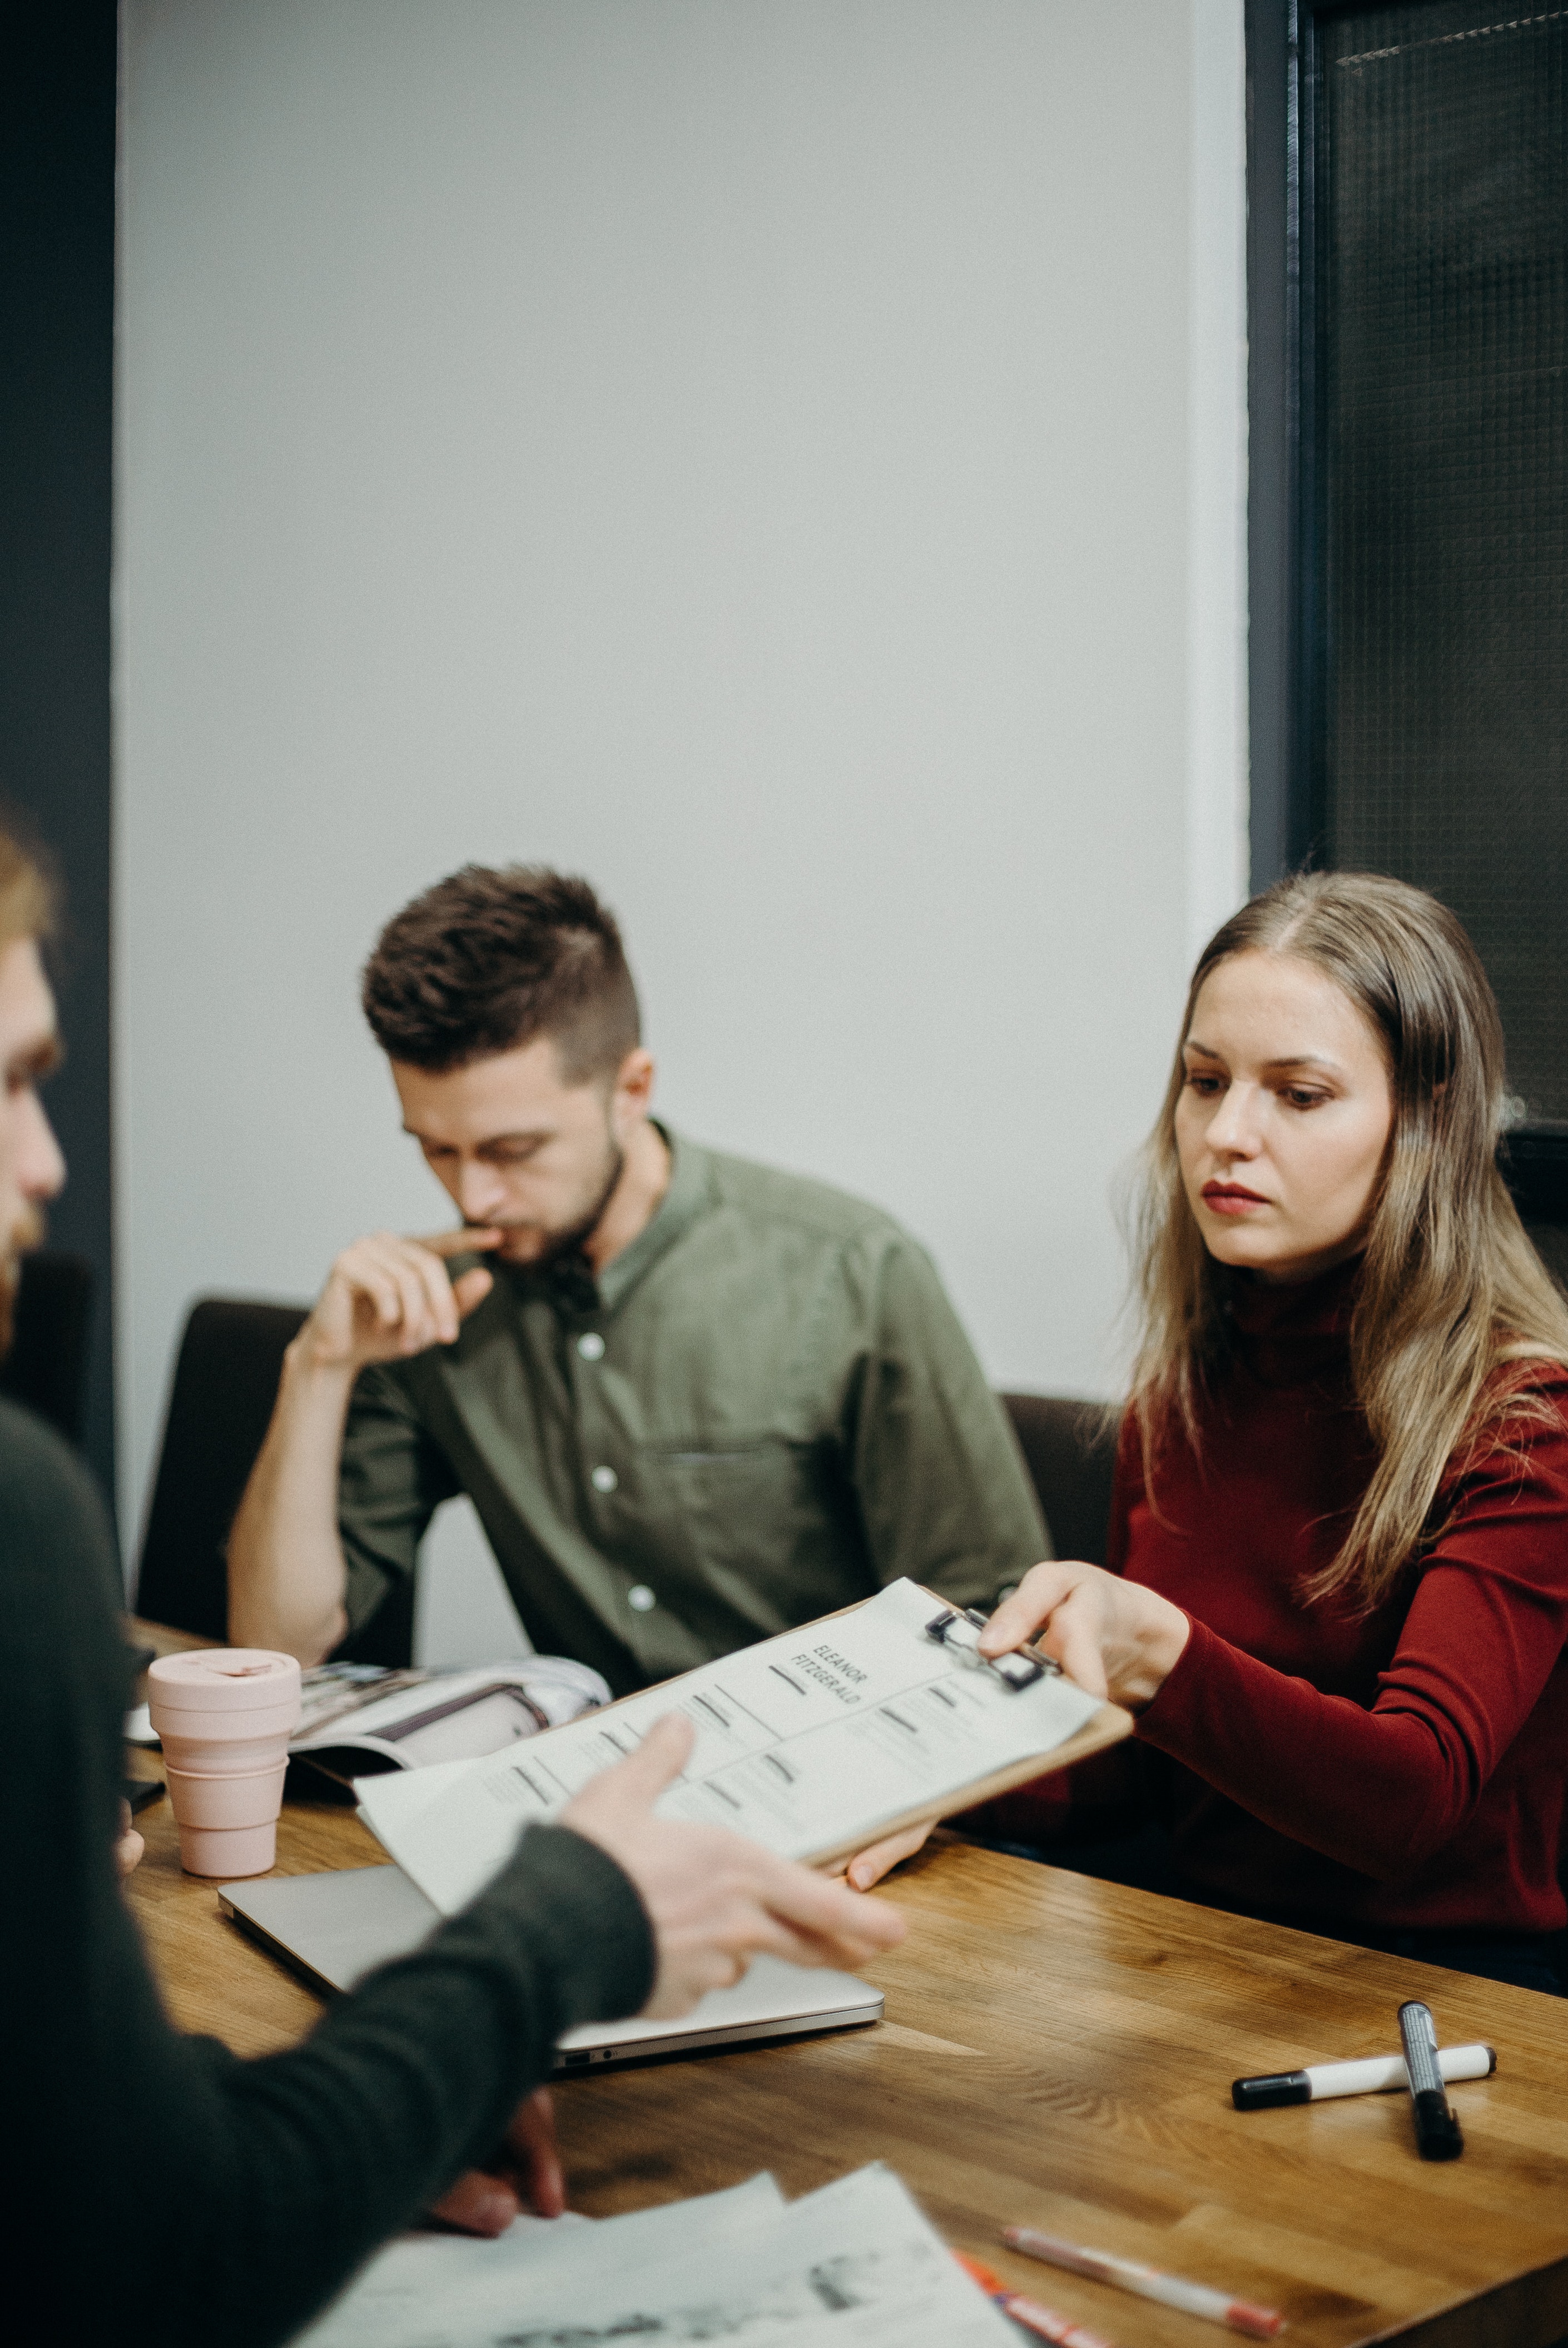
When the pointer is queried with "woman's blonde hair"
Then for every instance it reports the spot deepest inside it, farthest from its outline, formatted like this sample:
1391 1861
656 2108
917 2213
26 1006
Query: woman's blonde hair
1450 1289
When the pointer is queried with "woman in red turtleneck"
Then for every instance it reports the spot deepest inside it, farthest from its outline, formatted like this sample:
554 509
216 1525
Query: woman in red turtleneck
1338 1600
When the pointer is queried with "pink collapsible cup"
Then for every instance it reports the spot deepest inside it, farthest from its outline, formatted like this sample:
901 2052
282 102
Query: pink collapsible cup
224 1716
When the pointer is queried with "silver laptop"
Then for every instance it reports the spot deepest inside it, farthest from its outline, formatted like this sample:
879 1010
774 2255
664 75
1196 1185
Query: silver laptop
334 1928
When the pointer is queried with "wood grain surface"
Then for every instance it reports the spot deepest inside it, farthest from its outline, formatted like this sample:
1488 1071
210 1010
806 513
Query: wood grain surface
1060 2051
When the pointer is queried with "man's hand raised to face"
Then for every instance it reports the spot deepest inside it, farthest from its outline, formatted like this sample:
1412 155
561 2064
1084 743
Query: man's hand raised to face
387 1297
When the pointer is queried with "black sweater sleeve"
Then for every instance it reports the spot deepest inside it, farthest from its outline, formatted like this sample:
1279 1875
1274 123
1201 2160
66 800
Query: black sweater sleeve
158 2188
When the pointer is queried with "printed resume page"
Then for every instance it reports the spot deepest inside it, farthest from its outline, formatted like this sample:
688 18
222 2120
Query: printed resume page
811 1742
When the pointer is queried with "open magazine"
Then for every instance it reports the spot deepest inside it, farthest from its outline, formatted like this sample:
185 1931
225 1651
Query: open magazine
815 1742
355 1719
358 1718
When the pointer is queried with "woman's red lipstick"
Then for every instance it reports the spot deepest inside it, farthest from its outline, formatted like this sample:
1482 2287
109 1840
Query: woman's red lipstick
1231 1198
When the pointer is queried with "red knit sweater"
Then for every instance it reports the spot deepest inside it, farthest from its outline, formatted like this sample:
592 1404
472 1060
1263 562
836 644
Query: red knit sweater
1401 1769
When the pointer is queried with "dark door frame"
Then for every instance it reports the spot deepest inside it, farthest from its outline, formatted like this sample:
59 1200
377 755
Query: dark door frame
57 105
1284 515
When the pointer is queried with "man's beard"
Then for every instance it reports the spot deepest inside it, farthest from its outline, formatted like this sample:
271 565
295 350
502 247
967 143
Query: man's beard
26 1231
573 1237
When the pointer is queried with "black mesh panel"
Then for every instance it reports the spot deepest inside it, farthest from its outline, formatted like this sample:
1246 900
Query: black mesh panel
1441 254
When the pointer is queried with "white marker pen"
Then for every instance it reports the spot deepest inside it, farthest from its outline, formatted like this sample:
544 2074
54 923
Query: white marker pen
1371 2077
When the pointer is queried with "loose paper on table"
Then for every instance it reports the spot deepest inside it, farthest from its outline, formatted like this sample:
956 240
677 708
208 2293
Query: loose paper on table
814 1744
855 2265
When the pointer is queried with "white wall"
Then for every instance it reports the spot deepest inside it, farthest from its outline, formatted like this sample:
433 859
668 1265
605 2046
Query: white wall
782 458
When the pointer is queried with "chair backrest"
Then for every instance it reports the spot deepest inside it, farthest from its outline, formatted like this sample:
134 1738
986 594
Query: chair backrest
47 1368
1069 1450
225 1383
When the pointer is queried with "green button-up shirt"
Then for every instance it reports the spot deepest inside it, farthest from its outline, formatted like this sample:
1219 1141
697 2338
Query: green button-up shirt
767 1410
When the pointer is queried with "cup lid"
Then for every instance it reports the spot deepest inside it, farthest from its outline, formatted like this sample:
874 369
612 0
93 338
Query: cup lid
226 1679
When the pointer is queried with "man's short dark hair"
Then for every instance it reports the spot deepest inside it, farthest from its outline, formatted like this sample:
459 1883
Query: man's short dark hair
486 961
27 891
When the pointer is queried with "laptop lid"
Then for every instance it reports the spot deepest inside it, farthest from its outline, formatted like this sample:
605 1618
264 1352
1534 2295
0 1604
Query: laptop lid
336 1927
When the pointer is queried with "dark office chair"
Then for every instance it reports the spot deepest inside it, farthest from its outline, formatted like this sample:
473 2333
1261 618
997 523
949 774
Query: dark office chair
1534 1162
47 1368
1069 1450
225 1382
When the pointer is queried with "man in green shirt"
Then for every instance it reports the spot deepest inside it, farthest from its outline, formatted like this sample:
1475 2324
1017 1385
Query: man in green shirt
694 1401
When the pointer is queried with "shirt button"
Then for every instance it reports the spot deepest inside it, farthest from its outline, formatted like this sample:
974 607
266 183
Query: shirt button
591 1347
604 1479
640 1598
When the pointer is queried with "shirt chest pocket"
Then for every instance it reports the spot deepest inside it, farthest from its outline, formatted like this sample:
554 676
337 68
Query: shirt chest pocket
758 1525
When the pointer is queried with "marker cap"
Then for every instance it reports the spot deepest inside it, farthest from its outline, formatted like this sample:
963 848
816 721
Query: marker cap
1273 2089
1439 2136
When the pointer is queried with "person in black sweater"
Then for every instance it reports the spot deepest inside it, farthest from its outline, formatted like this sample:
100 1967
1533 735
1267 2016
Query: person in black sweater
156 2187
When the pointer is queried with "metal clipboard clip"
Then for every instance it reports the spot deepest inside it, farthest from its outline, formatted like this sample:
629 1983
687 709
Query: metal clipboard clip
960 1634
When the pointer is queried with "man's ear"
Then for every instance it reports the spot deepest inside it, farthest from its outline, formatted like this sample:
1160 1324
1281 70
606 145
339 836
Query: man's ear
634 1087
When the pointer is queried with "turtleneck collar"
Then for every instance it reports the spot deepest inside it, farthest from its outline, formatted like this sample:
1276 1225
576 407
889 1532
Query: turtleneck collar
1287 1333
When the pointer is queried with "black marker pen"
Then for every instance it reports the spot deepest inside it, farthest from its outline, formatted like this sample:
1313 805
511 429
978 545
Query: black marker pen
1438 2135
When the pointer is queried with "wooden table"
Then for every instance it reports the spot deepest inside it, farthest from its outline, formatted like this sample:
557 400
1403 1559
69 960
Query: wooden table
1060 2051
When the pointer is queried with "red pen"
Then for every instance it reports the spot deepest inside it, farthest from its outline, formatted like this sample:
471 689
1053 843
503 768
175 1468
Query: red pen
1044 2322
